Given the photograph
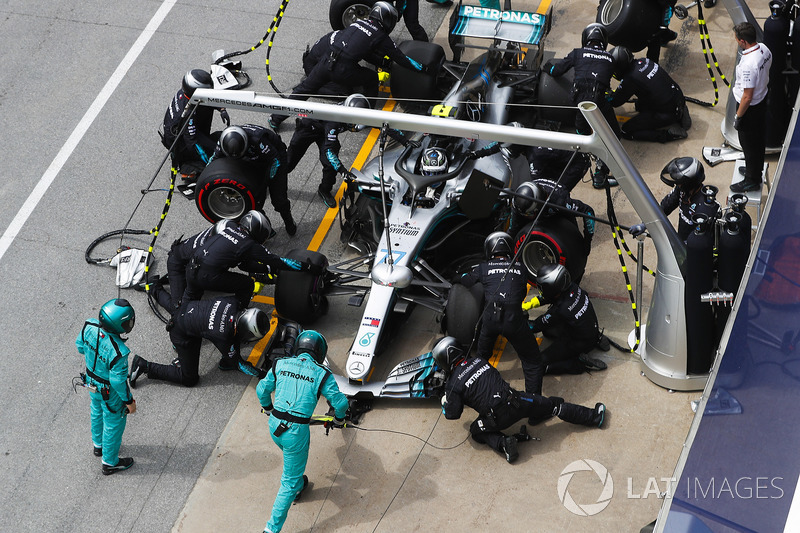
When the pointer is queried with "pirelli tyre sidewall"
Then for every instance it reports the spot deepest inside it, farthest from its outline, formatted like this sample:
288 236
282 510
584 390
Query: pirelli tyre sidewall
553 240
409 84
630 23
229 188
299 296
342 13
464 306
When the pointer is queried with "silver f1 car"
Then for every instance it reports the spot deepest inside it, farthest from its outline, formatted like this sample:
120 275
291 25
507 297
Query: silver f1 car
414 233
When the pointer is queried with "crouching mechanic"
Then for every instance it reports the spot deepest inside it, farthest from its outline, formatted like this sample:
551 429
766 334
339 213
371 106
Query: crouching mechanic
101 343
221 321
297 383
570 322
237 245
505 287
477 384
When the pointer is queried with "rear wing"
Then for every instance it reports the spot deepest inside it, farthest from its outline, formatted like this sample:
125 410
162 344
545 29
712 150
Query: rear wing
513 26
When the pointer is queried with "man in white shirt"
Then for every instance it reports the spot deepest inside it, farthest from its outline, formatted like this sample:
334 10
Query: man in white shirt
750 92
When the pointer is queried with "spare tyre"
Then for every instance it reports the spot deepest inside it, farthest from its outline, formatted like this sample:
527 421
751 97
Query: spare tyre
630 23
229 188
342 13
555 239
299 296
409 84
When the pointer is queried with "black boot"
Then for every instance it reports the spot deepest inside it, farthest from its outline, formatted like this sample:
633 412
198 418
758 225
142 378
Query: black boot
138 367
123 464
305 485
288 223
327 198
599 415
509 448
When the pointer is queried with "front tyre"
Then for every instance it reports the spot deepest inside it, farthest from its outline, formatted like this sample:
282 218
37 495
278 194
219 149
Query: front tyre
228 188
342 13
553 240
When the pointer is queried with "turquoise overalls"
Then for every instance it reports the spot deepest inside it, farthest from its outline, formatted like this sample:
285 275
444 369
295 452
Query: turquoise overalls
298 383
107 369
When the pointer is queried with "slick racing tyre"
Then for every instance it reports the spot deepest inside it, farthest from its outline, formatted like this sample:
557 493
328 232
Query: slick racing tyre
464 306
228 188
552 240
630 23
299 295
342 13
555 101
409 84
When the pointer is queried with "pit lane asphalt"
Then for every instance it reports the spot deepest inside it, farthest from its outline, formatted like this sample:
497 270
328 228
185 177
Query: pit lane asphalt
204 459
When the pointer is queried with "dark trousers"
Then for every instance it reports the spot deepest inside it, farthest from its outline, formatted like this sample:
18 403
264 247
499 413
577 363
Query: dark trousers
411 19
303 137
488 428
186 371
200 280
752 138
279 193
515 328
646 126
561 357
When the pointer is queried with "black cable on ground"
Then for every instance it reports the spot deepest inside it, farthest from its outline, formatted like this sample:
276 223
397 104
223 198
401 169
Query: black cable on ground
708 49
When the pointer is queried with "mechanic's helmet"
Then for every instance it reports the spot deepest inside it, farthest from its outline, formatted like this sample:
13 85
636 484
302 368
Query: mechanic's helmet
360 101
434 162
447 352
385 13
524 203
257 225
252 324
552 279
196 79
497 243
313 343
777 8
595 35
623 60
686 172
117 316
233 141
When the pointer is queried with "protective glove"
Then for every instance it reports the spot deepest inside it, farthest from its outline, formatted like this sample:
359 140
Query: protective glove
347 175
338 423
548 66
736 121
130 408
530 304
226 118
266 410
472 154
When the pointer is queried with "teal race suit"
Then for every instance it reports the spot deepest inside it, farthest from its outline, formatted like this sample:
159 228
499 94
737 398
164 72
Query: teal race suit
298 383
107 369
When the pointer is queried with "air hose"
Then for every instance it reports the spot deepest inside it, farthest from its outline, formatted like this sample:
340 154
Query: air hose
270 34
708 50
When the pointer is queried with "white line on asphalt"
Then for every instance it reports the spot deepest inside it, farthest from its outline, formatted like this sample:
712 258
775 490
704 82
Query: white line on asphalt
83 126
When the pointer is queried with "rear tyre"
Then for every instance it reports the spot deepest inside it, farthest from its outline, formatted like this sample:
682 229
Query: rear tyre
630 23
228 188
409 84
342 13
552 240
464 307
299 296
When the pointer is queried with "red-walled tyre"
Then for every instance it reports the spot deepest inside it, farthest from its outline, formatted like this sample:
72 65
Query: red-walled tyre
552 240
228 188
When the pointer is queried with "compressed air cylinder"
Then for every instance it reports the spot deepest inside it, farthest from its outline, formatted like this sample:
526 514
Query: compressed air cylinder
733 249
776 35
699 280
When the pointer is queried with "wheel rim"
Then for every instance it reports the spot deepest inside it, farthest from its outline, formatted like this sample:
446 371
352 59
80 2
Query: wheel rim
537 254
226 202
354 13
610 11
